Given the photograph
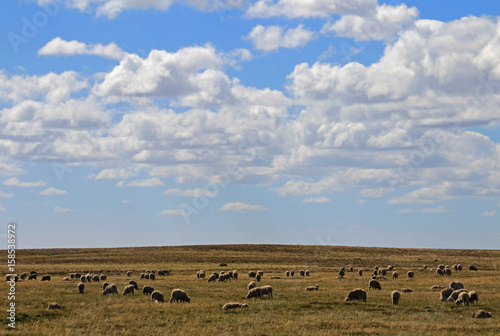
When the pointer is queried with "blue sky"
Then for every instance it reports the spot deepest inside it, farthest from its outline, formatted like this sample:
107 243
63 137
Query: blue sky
175 122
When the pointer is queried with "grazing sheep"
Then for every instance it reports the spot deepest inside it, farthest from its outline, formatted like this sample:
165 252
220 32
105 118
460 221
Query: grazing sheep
302 272
390 267
234 305
312 288
45 278
251 285
83 278
463 298
395 296
342 268
142 275
201 274
257 277
89 278
341 273
23 275
481 314
252 274
474 297
307 273
157 296
96 278
261 273
395 275
472 268
437 287
292 273
147 290
211 278
129 273
255 292
111 289
81 287
454 295
65 279
382 272
410 274
235 274
287 273
152 276
275 277
146 276
133 283
459 267
445 294
178 295
439 271
407 290
356 294
14 278
267 290
447 271
104 285
351 269
360 272
54 305
456 285
103 277
128 290
374 284
32 277
441 266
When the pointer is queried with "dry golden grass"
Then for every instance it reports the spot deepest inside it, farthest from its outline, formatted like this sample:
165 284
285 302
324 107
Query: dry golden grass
293 311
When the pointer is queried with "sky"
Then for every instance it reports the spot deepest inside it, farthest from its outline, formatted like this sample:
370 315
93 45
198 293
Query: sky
180 122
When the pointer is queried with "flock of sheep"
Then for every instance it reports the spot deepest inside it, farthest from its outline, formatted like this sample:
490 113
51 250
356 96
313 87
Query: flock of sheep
456 291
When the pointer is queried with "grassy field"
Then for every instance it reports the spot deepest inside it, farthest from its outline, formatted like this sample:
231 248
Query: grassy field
293 311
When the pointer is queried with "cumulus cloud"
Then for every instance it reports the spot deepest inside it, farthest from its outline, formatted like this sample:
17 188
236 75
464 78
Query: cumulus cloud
190 192
490 213
272 38
6 195
151 182
60 47
2 208
60 209
114 174
52 191
15 182
173 212
439 209
242 207
322 199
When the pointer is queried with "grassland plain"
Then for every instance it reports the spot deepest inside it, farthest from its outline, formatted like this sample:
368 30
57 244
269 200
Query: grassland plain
293 311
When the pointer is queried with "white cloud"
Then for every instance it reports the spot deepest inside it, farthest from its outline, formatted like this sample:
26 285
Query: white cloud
114 174
190 192
272 38
15 182
242 207
322 199
59 209
5 195
151 182
490 213
439 209
2 208
53 191
173 212
60 47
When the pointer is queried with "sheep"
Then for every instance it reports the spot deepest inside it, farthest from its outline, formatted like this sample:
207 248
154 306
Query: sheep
111 289
445 294
454 295
216 275
473 297
152 276
234 305
472 268
312 288
65 279
302 273
157 296
341 273
356 294
142 275
342 268
211 278
447 271
252 274
201 274
351 269
267 290
441 266
83 278
374 284
235 274
32 277
23 275
147 290
459 267
45 278
251 285
255 292
257 277
261 273
307 273
54 305
146 276
395 296
437 287
81 287
103 277
390 267
481 314
129 273
292 273
104 285
456 285
89 278
382 272
128 290
395 275
133 283
96 278
11 277
360 272
463 298
439 271
407 290
410 274
287 273
178 295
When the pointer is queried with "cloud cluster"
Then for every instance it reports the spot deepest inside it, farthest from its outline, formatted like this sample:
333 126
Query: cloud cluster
242 207
60 47
272 38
